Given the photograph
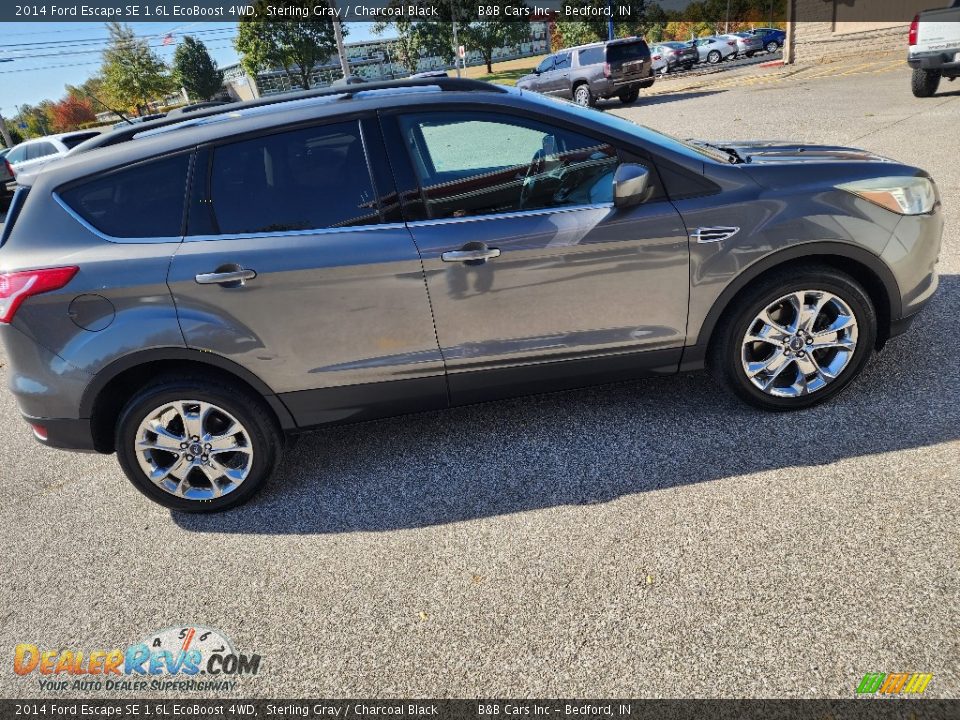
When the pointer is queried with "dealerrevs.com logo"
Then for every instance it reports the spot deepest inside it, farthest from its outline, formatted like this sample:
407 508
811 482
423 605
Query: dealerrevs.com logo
182 659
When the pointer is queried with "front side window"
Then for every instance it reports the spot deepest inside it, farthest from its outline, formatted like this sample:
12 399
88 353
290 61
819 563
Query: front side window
306 179
563 61
546 65
144 200
480 163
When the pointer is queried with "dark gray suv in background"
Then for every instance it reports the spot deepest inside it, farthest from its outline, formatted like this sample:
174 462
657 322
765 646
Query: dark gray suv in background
189 296
587 73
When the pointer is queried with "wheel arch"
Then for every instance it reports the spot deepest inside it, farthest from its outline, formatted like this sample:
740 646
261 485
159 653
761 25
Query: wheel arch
865 267
110 389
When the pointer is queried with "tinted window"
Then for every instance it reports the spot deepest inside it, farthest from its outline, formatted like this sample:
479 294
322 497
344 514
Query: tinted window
563 61
300 180
71 141
546 64
626 52
144 200
39 150
480 163
591 56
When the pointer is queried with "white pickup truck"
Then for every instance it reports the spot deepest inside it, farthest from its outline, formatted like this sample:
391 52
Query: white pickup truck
934 48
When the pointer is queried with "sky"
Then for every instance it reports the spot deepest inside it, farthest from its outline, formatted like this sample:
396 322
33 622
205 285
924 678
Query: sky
45 56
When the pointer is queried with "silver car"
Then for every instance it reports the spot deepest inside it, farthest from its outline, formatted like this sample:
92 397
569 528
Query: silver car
713 49
189 297
747 43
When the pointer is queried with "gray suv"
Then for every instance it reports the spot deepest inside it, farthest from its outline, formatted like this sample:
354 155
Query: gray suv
191 296
585 74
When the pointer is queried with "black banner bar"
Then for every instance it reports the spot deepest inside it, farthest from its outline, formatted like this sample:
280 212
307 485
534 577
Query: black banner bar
854 709
626 11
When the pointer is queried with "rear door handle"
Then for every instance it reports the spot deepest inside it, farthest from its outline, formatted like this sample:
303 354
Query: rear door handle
230 278
468 255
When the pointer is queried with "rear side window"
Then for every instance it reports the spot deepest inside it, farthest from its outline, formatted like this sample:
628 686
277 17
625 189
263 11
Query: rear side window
627 52
71 141
308 179
144 200
39 150
591 56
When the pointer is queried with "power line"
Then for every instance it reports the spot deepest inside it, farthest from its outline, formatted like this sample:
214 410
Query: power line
51 44
74 53
82 64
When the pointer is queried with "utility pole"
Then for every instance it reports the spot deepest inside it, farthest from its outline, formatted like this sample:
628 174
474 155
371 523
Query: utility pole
456 49
726 25
610 31
7 140
338 34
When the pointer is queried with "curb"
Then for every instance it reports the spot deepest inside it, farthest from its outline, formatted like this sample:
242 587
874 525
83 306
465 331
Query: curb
771 64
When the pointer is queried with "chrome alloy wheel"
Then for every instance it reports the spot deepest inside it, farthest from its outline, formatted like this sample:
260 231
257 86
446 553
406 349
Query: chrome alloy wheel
194 449
800 343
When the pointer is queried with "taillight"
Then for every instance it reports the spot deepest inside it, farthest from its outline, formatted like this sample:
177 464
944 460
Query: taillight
914 29
15 287
10 170
732 42
656 57
606 69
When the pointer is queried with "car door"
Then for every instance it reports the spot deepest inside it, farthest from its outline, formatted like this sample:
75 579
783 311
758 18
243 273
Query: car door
294 267
559 82
543 74
534 277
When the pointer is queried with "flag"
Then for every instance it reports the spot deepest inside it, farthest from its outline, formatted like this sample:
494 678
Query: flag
168 39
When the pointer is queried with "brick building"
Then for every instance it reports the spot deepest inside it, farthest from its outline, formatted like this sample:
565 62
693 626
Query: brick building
827 30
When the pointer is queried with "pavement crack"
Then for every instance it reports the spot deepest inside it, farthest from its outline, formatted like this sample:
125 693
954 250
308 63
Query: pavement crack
903 119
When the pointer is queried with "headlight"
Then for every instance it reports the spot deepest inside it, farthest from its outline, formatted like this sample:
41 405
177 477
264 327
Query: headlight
902 195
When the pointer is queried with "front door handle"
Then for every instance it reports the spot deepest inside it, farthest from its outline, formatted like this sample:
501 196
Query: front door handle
228 278
477 255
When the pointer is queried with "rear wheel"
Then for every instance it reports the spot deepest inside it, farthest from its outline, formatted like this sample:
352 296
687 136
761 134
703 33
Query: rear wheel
582 95
795 340
773 46
713 57
629 97
197 444
924 83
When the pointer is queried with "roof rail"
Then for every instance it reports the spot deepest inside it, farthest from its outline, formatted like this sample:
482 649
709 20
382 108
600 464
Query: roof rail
448 84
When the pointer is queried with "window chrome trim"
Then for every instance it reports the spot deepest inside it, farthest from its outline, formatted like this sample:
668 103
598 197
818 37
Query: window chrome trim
295 233
111 238
509 215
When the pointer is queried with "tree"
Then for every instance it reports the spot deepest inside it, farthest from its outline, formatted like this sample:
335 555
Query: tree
195 70
132 72
490 35
71 112
406 48
297 47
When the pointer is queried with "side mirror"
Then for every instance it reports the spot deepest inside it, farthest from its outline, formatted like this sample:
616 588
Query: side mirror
630 183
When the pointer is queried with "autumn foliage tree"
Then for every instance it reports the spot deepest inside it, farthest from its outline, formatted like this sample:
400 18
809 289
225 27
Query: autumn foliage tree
71 112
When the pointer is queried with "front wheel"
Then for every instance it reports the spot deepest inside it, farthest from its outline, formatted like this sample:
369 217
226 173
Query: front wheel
795 340
772 46
924 83
197 444
629 97
713 57
582 95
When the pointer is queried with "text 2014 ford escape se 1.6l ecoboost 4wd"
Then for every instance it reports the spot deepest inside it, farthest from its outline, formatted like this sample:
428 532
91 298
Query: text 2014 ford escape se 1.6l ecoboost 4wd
187 297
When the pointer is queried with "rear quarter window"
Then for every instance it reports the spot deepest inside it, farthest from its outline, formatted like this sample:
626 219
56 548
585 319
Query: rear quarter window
140 201
591 56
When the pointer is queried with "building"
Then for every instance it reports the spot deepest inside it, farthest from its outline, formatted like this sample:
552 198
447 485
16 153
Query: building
827 30
371 60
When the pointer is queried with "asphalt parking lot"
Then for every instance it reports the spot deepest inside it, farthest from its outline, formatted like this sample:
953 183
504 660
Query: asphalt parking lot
655 539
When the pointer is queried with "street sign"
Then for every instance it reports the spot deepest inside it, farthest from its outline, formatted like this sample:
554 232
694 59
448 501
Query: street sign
461 52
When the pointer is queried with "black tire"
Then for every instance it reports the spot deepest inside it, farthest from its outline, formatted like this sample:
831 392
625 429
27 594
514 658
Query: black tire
688 67
630 97
265 437
924 83
713 57
773 46
724 358
583 96
750 54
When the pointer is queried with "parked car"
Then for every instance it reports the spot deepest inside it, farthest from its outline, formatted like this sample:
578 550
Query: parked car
31 155
585 74
8 179
670 56
348 80
188 297
934 51
747 44
714 49
430 74
772 38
